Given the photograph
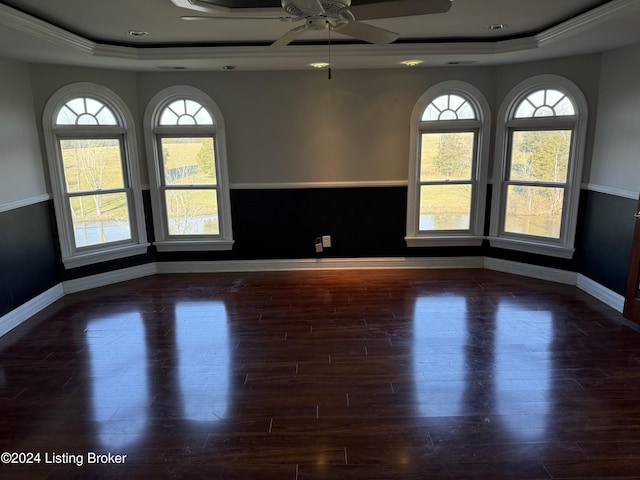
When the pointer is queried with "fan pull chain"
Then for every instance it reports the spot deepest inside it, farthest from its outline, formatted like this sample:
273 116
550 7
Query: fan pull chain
329 68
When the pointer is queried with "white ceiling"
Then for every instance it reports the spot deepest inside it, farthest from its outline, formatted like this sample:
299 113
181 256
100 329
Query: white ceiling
92 33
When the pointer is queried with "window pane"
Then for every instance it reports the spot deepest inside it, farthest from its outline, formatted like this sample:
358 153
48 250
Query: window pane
537 98
446 156
544 111
525 110
431 113
192 212
540 155
188 161
534 210
554 96
565 107
92 164
445 207
100 218
466 112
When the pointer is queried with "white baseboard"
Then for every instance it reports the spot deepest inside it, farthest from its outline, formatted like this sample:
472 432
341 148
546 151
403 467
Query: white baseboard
319 264
606 296
25 311
108 278
532 271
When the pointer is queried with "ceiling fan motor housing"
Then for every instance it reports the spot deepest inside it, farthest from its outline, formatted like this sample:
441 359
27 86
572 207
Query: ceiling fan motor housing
317 23
332 8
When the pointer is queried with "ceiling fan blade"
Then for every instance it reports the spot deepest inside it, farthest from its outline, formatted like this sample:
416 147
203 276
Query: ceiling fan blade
310 7
399 8
366 32
193 18
287 38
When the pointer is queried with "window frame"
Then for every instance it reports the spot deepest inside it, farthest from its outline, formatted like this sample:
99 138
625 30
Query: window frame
481 126
154 132
562 247
72 255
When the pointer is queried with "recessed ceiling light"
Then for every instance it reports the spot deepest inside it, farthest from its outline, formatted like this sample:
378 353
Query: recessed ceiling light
495 26
137 33
411 63
319 65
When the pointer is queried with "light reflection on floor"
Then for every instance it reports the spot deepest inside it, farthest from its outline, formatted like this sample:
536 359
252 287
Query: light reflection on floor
499 366
119 381
440 333
202 341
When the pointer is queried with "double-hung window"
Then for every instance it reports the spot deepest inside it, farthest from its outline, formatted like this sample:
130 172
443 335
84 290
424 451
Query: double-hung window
91 149
447 175
187 171
539 166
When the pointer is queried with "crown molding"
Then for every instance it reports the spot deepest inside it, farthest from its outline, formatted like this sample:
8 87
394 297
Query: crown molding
584 22
42 30
257 58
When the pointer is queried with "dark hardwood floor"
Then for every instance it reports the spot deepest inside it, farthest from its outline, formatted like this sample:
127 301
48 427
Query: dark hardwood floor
365 374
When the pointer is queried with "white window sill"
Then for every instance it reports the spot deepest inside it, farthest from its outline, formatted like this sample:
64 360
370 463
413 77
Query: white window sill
104 255
193 245
539 248
444 241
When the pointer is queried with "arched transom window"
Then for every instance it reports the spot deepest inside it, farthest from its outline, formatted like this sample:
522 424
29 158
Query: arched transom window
536 196
91 151
447 157
188 171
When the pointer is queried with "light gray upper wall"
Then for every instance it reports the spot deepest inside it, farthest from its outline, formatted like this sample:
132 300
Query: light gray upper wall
21 173
583 70
616 153
300 127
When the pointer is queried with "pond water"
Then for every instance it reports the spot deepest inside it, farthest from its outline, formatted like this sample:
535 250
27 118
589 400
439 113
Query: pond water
444 222
94 233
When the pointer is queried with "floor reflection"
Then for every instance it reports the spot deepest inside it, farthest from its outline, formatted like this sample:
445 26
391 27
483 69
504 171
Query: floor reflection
489 358
523 366
440 331
119 382
202 341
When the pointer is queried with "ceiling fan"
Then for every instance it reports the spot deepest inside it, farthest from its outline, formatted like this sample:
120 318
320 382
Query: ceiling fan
333 15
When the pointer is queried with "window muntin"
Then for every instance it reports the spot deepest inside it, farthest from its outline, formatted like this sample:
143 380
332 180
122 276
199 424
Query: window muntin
447 178
188 171
94 176
536 196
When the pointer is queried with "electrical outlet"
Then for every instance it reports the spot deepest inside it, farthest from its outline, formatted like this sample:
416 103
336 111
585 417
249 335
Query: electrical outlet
318 245
326 241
